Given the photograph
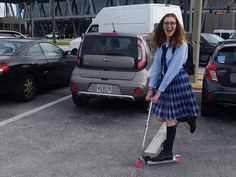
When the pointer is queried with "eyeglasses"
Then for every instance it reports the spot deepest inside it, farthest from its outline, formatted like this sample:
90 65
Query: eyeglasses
169 23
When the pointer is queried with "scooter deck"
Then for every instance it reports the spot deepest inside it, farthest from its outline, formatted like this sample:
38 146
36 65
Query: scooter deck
176 159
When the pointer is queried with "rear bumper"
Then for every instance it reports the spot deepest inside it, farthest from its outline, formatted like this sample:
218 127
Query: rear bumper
92 94
224 97
214 92
121 89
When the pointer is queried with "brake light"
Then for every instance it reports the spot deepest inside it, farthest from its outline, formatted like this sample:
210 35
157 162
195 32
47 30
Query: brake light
211 72
138 91
78 60
142 57
4 68
74 87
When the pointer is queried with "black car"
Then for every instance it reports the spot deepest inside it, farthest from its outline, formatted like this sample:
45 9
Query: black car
219 81
208 42
27 64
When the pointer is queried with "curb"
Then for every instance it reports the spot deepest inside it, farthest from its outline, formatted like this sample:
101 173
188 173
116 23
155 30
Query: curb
198 85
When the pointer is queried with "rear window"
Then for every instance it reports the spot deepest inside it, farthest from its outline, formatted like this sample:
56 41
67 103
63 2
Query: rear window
8 48
110 45
227 56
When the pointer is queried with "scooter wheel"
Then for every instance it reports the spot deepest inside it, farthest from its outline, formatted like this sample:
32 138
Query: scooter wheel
139 163
178 158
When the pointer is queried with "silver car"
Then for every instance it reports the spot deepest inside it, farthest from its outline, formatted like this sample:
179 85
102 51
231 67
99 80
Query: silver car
114 65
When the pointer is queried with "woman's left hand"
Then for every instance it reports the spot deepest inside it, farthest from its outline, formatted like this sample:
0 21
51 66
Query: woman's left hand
156 97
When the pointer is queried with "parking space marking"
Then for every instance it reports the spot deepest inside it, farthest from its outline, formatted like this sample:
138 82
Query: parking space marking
157 140
20 116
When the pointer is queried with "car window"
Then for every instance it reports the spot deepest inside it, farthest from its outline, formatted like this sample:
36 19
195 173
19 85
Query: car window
110 45
227 56
8 48
211 38
50 50
233 36
35 50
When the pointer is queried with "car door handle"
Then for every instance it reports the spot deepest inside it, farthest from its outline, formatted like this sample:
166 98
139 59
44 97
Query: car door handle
45 72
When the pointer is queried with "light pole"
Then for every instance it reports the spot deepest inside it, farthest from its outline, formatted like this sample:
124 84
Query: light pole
196 35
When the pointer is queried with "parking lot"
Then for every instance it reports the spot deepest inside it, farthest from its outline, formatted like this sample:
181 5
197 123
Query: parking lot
50 136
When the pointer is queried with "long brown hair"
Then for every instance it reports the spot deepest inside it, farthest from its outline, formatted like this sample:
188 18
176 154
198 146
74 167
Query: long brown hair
159 36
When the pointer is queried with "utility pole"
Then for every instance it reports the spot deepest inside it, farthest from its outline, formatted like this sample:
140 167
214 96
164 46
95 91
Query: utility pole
196 35
190 16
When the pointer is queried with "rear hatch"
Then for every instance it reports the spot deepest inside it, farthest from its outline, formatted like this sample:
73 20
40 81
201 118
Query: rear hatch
109 57
226 69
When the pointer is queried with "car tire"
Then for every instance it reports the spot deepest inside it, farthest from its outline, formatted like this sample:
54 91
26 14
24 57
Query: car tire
27 88
80 100
207 108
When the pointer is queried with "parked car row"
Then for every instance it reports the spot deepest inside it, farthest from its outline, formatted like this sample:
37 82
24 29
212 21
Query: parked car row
113 65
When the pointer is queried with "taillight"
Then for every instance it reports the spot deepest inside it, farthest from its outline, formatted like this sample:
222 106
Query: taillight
74 87
138 91
211 72
78 60
142 57
4 68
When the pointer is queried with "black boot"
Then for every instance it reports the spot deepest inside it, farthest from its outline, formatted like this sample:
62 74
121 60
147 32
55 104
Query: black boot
166 153
191 120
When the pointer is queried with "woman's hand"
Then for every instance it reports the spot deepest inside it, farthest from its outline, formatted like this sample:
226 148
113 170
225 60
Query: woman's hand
156 97
149 95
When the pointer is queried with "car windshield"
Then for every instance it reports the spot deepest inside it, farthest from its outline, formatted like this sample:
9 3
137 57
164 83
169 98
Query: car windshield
110 45
212 38
233 36
8 48
227 56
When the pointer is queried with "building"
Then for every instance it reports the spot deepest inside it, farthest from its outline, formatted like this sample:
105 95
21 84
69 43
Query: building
72 17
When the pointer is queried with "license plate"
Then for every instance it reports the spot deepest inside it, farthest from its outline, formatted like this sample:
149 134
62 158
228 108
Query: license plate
104 88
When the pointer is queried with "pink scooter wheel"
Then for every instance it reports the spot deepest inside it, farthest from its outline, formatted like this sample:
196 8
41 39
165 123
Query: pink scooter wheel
178 158
139 163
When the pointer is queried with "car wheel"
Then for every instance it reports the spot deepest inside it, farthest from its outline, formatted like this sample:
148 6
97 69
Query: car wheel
27 88
207 109
80 100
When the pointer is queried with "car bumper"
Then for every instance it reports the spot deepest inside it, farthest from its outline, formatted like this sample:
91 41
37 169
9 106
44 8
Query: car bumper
122 89
219 94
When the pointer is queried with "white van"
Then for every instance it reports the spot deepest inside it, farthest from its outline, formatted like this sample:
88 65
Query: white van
140 18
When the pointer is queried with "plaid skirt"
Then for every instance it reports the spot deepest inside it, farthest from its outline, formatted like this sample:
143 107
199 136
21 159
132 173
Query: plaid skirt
177 100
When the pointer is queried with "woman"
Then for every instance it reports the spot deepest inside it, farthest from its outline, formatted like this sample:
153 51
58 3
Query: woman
169 85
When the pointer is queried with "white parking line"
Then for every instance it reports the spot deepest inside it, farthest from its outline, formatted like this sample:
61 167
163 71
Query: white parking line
157 140
20 116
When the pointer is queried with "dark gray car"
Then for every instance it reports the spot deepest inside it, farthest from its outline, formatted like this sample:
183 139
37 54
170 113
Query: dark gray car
114 65
219 82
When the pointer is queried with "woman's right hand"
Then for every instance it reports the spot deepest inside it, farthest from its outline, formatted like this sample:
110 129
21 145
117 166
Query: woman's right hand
149 95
